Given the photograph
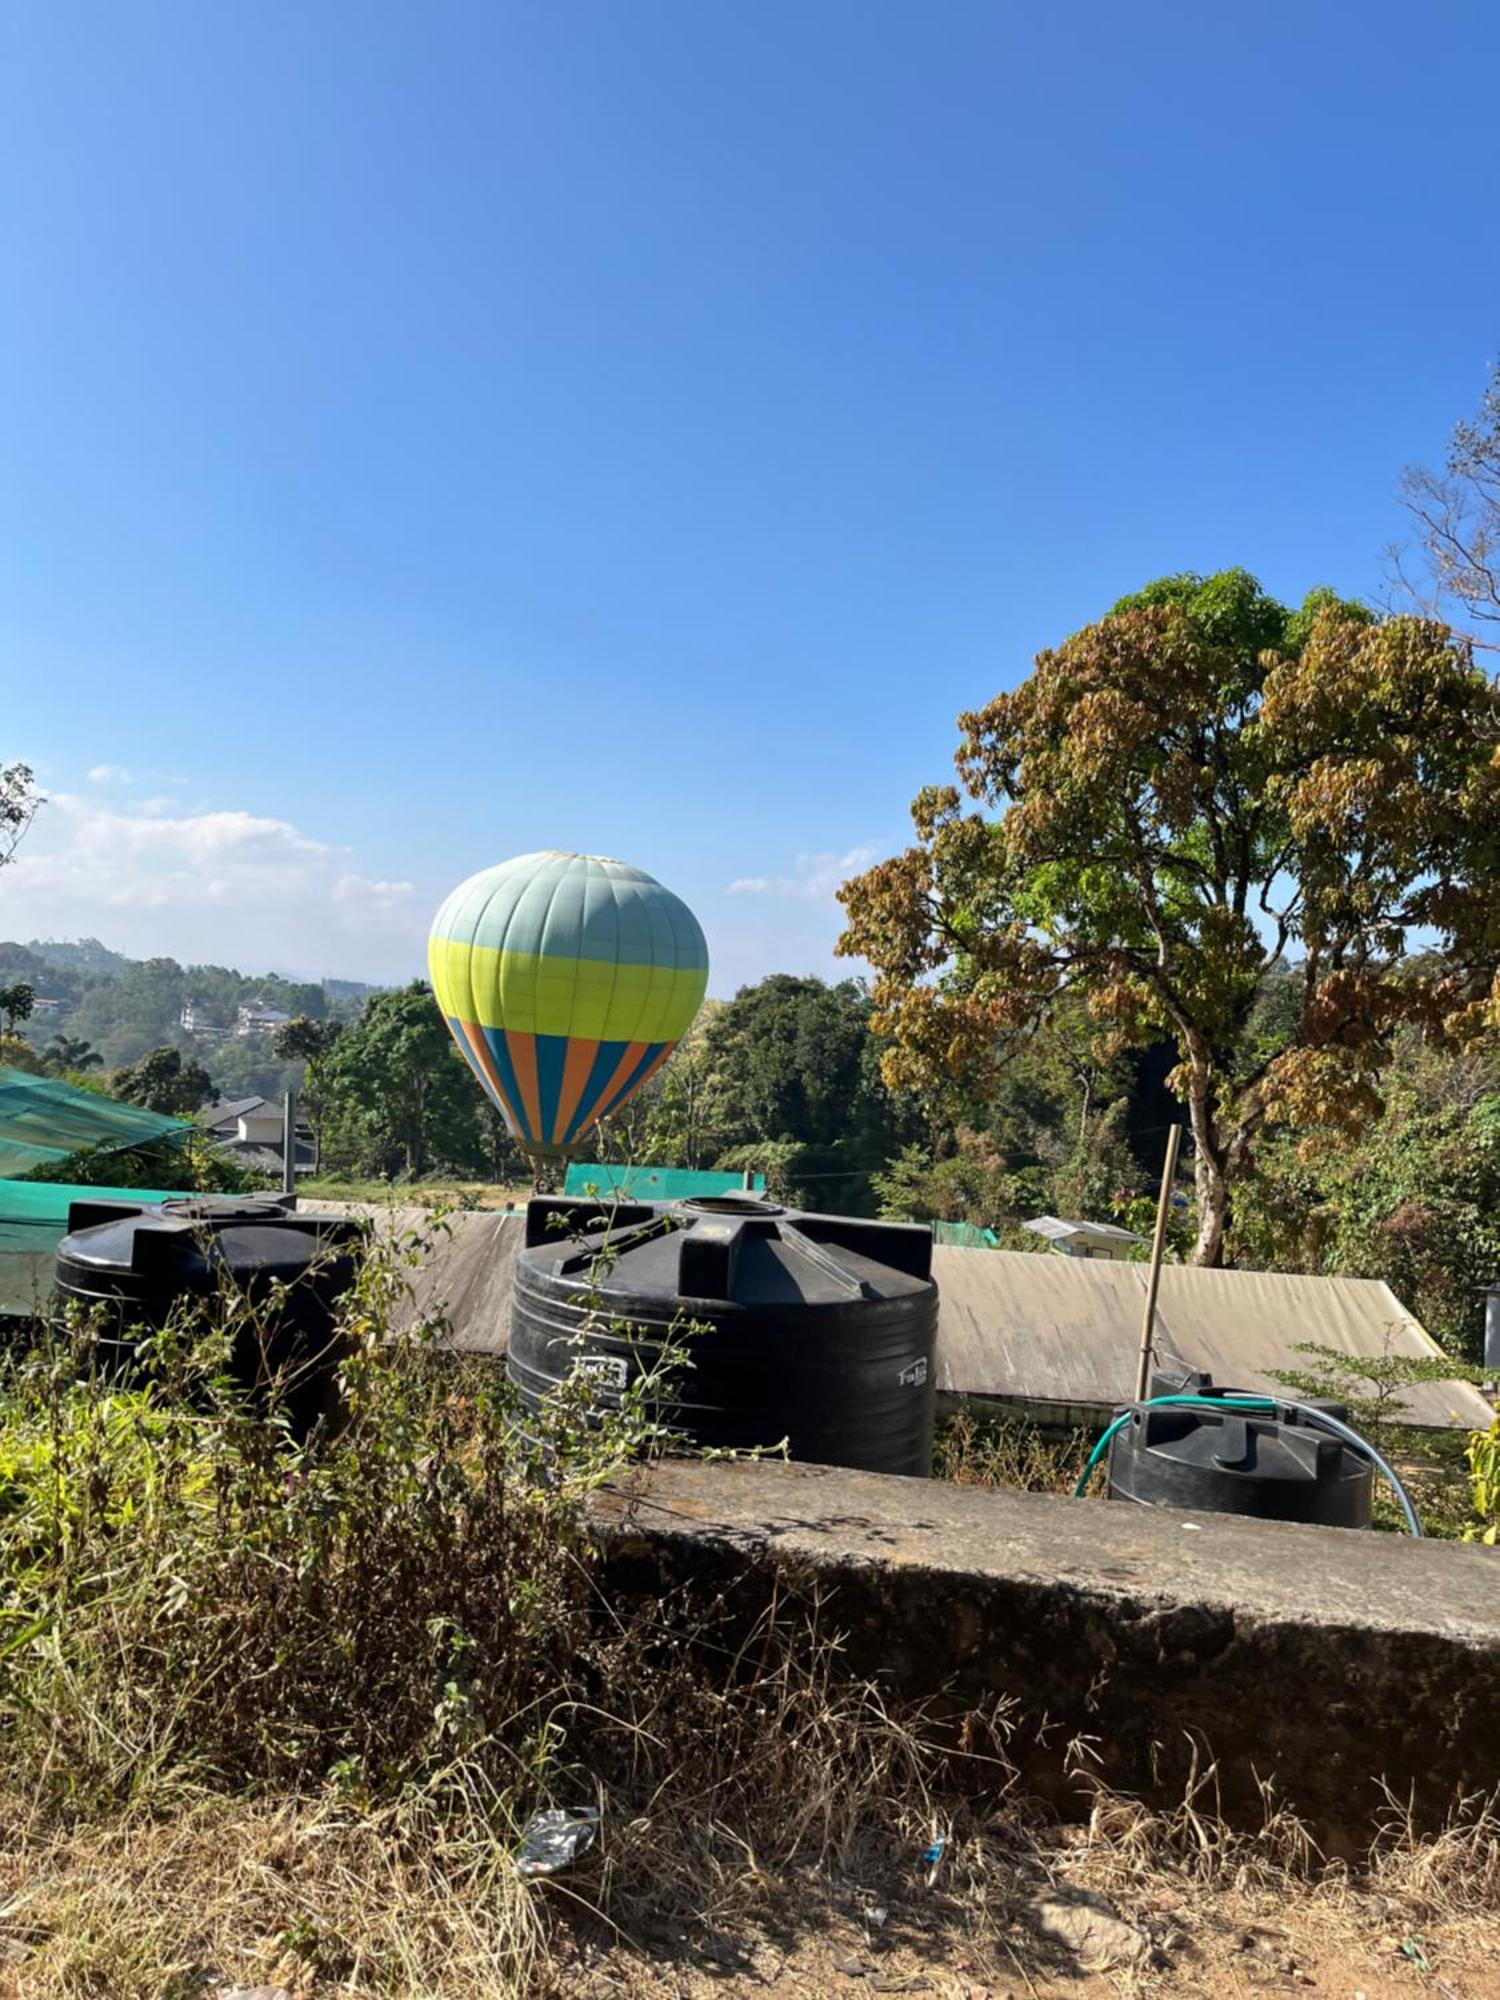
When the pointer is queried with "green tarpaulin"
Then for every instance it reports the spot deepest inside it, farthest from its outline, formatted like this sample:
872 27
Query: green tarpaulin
653 1183
44 1122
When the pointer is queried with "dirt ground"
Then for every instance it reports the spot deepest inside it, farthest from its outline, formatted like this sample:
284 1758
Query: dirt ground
1046 1932
1267 1956
1169 1937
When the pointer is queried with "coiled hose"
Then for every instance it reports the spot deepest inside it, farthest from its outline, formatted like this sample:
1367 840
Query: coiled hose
1334 1425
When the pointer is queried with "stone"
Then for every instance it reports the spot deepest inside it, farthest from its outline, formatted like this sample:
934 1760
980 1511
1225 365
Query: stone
1086 1925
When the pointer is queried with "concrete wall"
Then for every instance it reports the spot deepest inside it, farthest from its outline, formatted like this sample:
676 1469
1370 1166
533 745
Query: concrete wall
1324 1658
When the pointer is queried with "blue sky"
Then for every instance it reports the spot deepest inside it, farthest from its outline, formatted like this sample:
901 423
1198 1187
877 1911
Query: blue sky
438 431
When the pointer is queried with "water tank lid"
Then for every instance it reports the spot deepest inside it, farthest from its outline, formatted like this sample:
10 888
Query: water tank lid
188 1240
734 1250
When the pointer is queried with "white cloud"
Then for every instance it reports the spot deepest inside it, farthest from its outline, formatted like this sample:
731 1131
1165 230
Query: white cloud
109 774
228 886
815 876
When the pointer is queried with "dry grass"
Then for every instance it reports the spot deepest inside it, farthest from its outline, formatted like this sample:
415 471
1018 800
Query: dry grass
324 1896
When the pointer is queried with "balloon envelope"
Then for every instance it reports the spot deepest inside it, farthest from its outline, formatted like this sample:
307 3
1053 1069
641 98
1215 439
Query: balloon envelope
566 979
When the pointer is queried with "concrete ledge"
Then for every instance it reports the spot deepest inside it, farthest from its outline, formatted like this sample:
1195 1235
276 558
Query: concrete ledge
1323 1658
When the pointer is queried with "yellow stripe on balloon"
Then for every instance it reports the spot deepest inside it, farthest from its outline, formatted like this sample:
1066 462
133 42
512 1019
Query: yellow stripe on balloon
531 994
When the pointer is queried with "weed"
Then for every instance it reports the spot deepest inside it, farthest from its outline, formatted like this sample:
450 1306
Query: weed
1007 1451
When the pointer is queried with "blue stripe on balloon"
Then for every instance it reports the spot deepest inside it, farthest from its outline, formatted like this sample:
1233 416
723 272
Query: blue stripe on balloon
604 1066
551 1053
511 1083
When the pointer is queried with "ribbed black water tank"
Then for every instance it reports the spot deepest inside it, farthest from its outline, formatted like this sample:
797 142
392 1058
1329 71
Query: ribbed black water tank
139 1260
817 1328
1231 1461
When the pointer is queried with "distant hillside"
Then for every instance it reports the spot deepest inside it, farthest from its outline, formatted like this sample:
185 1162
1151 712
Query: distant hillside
124 1006
84 955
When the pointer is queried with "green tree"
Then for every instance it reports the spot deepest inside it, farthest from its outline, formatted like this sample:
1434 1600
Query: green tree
787 1056
165 1080
1415 1201
16 1003
71 1052
310 1042
1173 798
399 1096
790 1066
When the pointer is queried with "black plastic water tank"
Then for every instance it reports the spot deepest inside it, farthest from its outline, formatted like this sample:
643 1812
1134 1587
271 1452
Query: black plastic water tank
1233 1461
139 1260
817 1328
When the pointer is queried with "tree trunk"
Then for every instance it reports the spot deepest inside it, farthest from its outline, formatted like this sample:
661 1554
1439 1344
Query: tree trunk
1210 1170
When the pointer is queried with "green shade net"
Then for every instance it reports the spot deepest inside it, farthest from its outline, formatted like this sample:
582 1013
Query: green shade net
45 1122
964 1236
653 1183
33 1221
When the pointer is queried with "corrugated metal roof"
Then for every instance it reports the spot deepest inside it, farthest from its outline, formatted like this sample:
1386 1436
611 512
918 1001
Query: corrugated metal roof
229 1111
1066 1330
1055 1228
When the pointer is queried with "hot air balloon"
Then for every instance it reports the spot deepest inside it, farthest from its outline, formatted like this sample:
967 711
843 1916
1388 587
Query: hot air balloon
567 980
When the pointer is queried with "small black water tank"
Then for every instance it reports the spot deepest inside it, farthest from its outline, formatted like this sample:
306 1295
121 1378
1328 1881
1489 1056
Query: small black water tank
818 1328
138 1260
1231 1461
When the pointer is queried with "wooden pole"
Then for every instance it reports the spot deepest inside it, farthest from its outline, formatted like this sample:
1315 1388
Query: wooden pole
1163 1210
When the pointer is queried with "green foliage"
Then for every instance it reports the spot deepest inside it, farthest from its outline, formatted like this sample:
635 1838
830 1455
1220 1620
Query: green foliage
1370 1389
794 1091
1416 1201
1483 1457
166 1081
783 1080
969 1185
193 1165
787 1055
70 1054
177 1573
16 1004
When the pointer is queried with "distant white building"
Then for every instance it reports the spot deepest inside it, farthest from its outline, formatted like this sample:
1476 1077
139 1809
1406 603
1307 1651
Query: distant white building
1086 1239
195 1020
258 1017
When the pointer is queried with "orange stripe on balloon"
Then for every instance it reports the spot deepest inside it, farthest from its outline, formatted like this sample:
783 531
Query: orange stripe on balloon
577 1064
650 1070
477 1049
523 1058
